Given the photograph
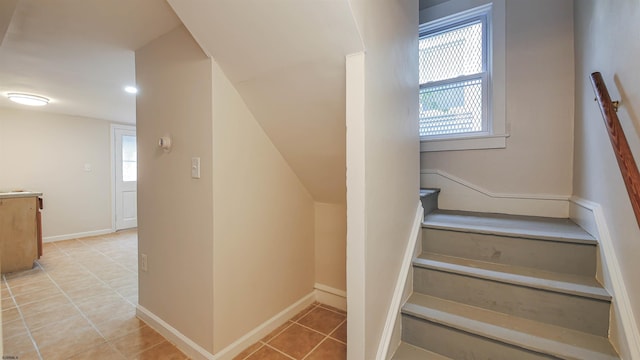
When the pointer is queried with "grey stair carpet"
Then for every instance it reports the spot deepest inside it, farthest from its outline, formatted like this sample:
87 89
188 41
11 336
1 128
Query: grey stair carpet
495 286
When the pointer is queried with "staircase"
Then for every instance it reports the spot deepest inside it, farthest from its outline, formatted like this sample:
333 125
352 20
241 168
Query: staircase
494 286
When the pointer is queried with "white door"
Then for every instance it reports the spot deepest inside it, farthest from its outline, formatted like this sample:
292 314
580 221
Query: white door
126 176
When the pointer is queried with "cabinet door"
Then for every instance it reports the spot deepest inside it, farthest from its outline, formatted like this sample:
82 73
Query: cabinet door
18 233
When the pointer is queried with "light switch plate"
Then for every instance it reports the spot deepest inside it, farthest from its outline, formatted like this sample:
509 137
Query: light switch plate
195 167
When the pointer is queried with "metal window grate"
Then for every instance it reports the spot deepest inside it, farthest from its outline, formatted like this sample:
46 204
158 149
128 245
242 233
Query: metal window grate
451 108
451 78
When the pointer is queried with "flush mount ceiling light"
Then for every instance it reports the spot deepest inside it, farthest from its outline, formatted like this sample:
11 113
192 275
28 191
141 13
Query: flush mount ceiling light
28 99
131 89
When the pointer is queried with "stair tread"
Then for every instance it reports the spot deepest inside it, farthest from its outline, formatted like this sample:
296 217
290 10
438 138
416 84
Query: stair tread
529 277
528 334
428 191
410 352
543 228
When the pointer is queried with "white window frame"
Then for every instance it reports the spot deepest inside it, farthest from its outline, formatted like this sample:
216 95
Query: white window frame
450 14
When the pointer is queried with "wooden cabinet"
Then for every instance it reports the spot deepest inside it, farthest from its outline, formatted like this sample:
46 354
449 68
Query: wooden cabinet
18 232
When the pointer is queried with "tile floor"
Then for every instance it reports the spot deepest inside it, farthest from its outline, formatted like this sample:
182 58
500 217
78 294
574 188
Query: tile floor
79 303
317 333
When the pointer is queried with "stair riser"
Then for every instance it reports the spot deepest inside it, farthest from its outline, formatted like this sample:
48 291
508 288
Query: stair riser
458 344
568 258
429 202
574 312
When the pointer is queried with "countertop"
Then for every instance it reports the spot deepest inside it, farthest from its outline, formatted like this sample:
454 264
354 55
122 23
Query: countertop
18 194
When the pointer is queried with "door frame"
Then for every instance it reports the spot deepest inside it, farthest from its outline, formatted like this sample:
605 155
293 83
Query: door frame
113 129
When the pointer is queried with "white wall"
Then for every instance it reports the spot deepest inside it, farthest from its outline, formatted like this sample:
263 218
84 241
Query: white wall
263 222
331 245
47 152
175 212
382 163
539 109
607 41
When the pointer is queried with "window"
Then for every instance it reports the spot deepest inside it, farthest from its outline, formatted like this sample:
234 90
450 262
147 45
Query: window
462 76
454 76
129 158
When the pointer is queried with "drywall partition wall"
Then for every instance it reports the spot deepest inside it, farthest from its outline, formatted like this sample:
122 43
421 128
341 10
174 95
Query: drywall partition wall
263 222
607 40
539 81
50 153
286 59
175 211
382 163
331 245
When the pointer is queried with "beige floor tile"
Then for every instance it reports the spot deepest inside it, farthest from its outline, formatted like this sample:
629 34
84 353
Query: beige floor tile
277 331
18 345
126 281
303 312
119 326
74 343
10 314
162 351
248 351
104 313
53 315
58 332
267 353
322 320
44 305
13 328
340 333
333 309
89 291
137 341
37 295
100 352
329 349
69 275
296 341
39 284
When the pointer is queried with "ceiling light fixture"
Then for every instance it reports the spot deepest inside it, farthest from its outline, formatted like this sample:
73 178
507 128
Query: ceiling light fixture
28 99
131 89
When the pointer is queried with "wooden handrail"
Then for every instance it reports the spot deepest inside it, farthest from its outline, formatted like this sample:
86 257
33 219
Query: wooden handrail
619 142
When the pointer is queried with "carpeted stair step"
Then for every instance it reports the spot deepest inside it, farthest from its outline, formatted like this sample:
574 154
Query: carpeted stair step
461 331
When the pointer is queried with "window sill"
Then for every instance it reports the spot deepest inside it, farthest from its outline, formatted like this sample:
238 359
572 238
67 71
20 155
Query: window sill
465 143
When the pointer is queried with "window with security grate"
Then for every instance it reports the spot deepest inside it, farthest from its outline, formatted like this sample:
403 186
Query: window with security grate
453 77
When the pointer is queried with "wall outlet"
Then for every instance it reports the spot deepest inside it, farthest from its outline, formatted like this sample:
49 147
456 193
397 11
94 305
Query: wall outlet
143 262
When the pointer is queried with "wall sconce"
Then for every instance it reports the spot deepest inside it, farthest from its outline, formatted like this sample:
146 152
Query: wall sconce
165 143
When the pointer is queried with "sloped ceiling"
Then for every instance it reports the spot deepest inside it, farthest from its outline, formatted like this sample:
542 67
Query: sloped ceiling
78 53
287 60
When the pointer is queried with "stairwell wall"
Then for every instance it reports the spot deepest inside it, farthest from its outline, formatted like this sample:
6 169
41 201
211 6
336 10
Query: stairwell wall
607 40
539 81
382 164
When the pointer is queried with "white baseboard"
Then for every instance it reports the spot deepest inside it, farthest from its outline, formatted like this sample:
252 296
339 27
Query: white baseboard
459 194
613 281
398 294
48 239
186 345
196 352
331 296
